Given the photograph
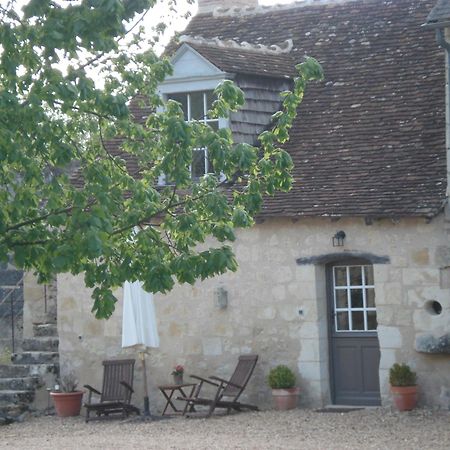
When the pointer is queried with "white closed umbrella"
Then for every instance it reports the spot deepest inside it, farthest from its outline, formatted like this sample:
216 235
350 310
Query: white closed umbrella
139 328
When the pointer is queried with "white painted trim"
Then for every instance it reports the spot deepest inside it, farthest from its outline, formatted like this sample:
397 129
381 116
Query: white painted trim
190 84
187 48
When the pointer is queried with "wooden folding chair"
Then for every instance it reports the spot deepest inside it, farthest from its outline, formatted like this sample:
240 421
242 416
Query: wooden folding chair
117 389
228 391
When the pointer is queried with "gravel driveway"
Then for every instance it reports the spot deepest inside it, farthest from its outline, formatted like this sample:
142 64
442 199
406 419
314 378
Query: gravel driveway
298 429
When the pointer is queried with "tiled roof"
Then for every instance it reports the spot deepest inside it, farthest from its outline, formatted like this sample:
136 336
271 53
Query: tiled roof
369 140
251 62
440 13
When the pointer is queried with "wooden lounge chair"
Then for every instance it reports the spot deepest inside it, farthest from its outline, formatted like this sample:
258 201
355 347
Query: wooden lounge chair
116 392
227 392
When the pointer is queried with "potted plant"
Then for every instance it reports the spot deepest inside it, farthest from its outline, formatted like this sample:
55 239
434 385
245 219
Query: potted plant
66 398
284 393
403 386
177 373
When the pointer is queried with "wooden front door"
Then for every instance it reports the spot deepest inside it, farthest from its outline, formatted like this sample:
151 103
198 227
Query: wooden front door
354 346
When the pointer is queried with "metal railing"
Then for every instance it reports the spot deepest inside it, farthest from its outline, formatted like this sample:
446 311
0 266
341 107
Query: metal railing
9 295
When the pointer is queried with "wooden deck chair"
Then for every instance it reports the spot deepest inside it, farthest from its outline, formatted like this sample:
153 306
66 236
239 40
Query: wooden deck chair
228 391
117 389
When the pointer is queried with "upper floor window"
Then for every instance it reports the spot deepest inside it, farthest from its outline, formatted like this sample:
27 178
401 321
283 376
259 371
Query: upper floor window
196 105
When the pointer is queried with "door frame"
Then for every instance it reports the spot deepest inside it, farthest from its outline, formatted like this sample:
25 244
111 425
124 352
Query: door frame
344 261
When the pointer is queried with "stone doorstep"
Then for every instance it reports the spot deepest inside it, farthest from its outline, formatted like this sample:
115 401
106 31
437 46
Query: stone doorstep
45 329
19 384
35 358
41 344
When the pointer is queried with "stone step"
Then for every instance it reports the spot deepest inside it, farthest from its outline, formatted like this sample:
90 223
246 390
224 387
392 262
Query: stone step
35 358
14 370
45 329
41 344
16 397
19 384
12 412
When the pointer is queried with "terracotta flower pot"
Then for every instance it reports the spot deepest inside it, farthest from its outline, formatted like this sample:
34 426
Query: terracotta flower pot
67 403
405 397
284 399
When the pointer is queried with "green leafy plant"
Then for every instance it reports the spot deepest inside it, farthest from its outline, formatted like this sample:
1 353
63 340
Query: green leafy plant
68 383
281 377
402 375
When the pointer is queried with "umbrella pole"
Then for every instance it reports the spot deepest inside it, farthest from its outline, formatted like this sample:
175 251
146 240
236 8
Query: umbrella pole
146 400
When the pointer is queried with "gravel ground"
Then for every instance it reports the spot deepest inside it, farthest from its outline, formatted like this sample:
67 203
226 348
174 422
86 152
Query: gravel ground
297 429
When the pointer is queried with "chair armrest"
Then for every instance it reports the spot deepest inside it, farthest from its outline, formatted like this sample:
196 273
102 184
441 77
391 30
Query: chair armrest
221 380
90 388
205 380
124 383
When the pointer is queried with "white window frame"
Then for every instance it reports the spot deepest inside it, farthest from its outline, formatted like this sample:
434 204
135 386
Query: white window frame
188 87
349 309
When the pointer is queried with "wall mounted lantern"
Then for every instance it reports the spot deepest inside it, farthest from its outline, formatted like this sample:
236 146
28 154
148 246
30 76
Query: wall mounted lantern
338 239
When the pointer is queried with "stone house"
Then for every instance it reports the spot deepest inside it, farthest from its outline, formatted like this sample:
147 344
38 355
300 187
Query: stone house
349 271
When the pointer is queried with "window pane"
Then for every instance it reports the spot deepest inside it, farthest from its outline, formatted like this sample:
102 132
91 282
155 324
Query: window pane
210 98
372 320
356 298
197 107
342 321
341 298
370 298
357 320
340 276
209 165
214 124
368 272
180 98
356 276
198 163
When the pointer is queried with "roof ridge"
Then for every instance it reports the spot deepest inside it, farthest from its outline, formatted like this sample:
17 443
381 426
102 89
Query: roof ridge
285 47
221 11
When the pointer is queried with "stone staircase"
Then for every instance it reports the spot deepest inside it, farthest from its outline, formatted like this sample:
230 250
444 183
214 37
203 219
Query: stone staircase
24 382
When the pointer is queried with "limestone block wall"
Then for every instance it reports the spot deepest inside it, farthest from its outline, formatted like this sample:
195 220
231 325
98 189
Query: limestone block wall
277 308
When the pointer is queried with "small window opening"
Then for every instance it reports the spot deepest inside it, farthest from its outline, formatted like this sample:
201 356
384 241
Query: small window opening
433 307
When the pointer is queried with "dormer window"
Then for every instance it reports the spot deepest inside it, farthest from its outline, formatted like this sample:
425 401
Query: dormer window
192 84
196 105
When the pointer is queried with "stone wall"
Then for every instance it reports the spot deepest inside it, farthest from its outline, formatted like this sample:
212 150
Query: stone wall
277 308
40 305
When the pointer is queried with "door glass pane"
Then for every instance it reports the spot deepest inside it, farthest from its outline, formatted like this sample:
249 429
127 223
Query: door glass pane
355 276
197 107
341 298
370 298
368 272
198 163
180 98
357 320
340 276
372 320
342 321
356 298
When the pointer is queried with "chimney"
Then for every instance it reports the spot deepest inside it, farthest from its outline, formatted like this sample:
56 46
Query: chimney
207 6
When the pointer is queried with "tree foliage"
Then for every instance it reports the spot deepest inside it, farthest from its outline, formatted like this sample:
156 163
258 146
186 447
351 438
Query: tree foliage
118 225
